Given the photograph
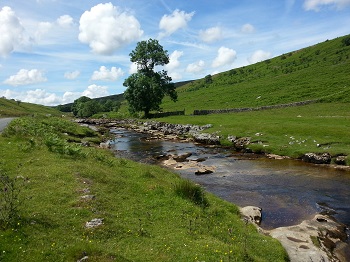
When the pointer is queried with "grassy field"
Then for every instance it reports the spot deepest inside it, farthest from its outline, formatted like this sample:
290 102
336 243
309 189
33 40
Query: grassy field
293 131
316 72
149 214
10 107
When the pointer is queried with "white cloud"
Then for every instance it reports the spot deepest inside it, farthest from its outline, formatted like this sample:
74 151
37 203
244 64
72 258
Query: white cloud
317 4
211 34
133 68
71 75
26 77
12 33
105 74
65 21
259 56
106 28
171 23
174 60
196 67
247 28
69 97
42 29
37 96
175 76
225 56
94 91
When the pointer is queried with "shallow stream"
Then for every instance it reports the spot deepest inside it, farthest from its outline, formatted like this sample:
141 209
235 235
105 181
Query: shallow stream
288 191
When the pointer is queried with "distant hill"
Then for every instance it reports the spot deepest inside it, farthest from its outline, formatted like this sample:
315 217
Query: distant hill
318 72
10 107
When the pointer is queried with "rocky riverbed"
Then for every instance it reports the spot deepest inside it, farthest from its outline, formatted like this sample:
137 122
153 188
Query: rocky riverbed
320 238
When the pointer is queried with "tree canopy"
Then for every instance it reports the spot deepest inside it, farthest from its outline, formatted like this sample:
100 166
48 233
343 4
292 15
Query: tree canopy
146 88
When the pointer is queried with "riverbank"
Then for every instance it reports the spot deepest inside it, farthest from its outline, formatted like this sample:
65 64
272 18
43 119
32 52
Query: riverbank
313 243
196 133
82 203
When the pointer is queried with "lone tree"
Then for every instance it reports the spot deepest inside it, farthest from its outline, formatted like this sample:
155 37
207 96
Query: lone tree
146 88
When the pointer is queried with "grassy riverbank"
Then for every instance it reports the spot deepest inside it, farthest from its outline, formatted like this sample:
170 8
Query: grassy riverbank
320 127
145 218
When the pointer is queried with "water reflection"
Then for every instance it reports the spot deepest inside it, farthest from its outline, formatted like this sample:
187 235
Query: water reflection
287 191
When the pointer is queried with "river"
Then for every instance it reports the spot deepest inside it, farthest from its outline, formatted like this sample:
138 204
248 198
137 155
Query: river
288 191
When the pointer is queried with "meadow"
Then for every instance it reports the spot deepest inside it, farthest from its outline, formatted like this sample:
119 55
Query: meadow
148 213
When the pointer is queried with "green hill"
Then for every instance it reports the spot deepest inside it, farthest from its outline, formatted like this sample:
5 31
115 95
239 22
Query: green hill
317 72
10 107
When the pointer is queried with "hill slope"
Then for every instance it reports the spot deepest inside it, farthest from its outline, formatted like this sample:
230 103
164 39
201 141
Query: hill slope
317 72
15 108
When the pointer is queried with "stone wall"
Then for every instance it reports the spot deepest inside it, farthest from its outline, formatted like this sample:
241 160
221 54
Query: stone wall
245 109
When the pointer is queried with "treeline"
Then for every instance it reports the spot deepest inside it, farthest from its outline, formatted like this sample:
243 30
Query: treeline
86 107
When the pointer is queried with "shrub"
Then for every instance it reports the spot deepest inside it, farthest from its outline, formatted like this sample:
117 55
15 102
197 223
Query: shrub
9 201
192 192
346 41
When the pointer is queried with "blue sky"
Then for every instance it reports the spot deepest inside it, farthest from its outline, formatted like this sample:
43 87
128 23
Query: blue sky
54 51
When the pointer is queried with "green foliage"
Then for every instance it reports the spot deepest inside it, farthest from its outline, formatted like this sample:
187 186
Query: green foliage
346 41
85 107
55 133
9 201
146 88
192 192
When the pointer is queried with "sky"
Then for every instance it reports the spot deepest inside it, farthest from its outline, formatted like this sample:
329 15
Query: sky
55 51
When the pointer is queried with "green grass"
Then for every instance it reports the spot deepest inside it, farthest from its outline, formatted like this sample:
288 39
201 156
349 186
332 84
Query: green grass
289 131
316 72
10 107
144 218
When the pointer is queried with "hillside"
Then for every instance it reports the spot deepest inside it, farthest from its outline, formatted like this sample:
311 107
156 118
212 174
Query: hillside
317 72
10 107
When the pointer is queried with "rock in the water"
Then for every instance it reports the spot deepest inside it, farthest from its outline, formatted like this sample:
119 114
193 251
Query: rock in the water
312 240
181 158
204 171
252 214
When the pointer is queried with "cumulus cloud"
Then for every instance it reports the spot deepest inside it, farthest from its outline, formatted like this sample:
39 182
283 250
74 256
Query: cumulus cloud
106 28
196 67
247 28
171 23
211 34
12 33
65 21
317 4
174 60
37 96
225 56
71 75
259 56
104 74
42 29
26 77
94 91
133 68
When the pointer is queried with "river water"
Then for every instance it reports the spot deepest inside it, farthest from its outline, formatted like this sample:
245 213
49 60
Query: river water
288 191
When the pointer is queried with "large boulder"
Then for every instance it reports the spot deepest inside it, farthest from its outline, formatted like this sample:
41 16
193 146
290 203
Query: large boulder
321 158
317 239
251 214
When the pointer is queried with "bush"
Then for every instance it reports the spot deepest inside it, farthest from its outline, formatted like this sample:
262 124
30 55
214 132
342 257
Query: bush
9 201
192 192
346 41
